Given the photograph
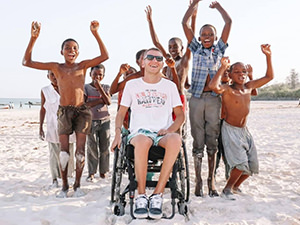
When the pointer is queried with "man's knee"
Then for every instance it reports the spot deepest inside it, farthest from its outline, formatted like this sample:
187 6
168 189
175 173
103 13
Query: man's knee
141 141
172 141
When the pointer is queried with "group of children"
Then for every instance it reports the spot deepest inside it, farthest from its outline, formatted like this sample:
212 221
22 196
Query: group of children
210 98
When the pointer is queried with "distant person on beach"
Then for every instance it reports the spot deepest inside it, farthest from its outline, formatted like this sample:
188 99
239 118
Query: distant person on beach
238 143
204 104
98 98
49 106
73 114
220 154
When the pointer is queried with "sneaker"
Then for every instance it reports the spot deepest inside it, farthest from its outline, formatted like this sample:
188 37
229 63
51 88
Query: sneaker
141 207
155 206
102 175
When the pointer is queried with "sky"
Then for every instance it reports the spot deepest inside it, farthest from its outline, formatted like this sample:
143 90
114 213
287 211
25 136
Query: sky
124 31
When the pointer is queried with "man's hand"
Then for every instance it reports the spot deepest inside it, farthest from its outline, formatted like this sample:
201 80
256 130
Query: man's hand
162 132
116 142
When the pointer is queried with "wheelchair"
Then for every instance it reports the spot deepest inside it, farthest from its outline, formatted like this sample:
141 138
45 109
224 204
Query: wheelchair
123 165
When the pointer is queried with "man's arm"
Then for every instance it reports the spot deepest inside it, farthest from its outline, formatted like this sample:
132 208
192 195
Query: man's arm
103 52
188 31
226 18
42 117
269 74
27 60
215 83
153 34
180 117
118 127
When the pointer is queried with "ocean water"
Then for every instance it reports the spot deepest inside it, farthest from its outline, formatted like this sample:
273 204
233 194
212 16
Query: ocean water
20 103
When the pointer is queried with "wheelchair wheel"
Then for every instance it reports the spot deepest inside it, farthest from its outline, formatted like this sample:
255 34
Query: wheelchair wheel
117 176
184 180
118 209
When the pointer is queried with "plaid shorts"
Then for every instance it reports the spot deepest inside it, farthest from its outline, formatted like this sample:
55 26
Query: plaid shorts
147 133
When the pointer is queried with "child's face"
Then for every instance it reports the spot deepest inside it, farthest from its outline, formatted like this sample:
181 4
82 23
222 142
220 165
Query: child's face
207 36
238 73
97 74
175 48
52 78
225 77
70 51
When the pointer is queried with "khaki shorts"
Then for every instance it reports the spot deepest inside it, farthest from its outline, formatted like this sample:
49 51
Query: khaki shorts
71 118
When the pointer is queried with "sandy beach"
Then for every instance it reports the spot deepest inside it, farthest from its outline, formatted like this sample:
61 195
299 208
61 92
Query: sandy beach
271 197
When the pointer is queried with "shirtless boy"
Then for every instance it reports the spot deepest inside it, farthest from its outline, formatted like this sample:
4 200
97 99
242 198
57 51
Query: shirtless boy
73 115
238 143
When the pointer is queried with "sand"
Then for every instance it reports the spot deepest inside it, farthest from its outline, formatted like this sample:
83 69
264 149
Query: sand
271 197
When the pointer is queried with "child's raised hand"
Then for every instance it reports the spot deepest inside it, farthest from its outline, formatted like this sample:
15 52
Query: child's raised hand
214 4
124 68
148 11
225 62
249 71
35 29
94 25
170 62
265 48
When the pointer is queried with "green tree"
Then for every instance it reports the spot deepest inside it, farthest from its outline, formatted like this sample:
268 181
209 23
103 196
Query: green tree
293 79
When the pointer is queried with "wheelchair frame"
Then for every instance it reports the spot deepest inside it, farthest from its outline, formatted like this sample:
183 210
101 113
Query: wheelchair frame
179 181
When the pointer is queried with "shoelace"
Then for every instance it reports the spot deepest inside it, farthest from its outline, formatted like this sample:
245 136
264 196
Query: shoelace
141 202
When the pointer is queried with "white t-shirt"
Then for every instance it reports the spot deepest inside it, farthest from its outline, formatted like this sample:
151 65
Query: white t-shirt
151 104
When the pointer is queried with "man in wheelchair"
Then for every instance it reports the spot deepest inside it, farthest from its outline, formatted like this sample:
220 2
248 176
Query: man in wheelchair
152 99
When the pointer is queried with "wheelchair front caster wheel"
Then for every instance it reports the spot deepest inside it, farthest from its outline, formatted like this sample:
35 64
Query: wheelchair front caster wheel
182 208
118 209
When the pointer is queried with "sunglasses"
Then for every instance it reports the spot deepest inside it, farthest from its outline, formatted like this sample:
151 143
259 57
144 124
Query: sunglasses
151 57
